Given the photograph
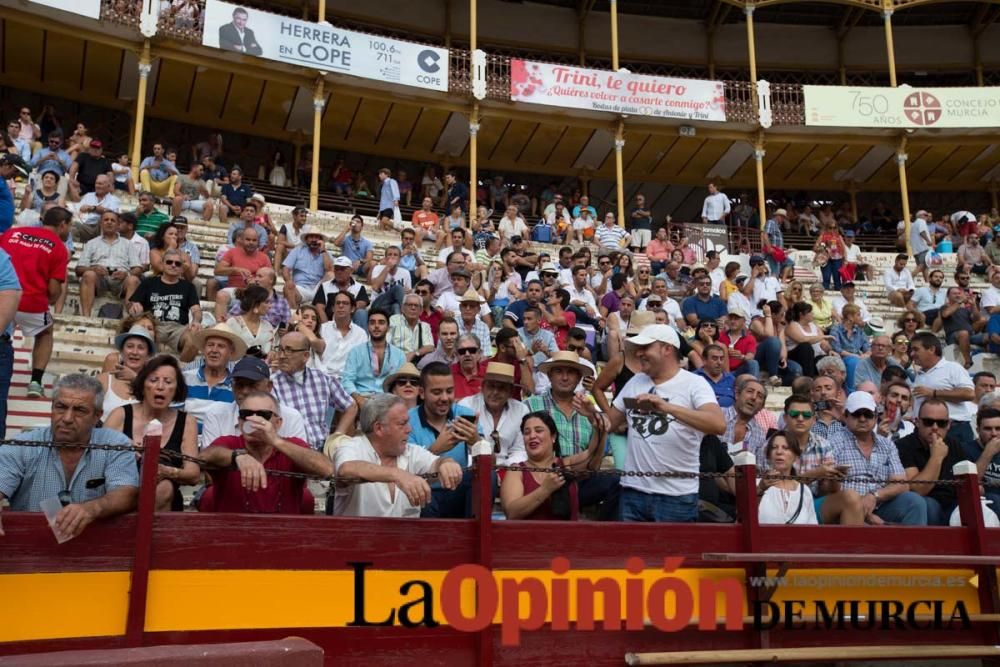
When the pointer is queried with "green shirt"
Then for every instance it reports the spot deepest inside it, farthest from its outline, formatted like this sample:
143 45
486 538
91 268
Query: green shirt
149 223
574 430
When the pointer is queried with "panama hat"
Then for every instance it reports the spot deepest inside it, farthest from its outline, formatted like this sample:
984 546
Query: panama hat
312 230
566 359
221 331
471 295
639 320
137 331
499 372
407 370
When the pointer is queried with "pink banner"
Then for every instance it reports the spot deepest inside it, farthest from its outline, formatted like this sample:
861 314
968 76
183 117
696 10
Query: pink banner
616 92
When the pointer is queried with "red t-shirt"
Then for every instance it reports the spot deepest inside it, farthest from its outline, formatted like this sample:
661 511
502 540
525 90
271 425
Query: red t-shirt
239 259
465 387
38 255
425 219
283 495
433 319
746 344
561 333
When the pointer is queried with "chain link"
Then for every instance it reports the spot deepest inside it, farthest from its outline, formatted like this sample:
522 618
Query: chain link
668 474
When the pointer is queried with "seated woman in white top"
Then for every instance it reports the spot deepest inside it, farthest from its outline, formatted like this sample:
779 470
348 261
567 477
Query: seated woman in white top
251 326
783 500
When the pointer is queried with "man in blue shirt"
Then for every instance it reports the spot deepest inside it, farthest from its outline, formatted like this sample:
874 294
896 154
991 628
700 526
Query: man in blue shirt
388 199
446 429
714 370
235 195
458 192
359 250
10 296
52 157
11 166
702 305
307 265
89 483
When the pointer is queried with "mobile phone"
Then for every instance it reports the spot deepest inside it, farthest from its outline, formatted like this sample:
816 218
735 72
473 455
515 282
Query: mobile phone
822 405
890 411
844 469
631 404
469 418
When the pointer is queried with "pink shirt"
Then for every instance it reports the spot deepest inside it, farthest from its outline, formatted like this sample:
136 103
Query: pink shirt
659 250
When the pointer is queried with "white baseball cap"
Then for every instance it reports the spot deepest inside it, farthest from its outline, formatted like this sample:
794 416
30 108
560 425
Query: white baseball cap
859 400
655 333
343 261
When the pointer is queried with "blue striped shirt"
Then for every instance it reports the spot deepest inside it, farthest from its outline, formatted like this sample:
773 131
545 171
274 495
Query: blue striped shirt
201 398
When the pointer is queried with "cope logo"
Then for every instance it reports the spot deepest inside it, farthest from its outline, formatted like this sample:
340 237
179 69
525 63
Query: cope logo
922 108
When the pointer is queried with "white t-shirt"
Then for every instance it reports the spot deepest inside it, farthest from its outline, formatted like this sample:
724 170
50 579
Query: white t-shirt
765 288
946 375
897 281
917 229
853 254
402 277
673 446
515 228
373 498
838 303
443 255
990 298
449 303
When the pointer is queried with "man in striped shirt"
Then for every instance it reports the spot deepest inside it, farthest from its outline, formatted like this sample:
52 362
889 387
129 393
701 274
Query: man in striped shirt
610 235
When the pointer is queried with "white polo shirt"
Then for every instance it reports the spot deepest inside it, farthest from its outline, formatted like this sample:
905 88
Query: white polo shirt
373 498
943 376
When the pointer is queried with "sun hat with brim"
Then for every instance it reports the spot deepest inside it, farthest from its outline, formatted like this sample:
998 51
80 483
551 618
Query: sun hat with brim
137 331
875 327
407 370
549 267
738 312
311 230
498 371
566 359
781 212
639 320
470 295
655 333
221 331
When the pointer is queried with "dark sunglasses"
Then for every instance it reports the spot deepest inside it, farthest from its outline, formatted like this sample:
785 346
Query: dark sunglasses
173 262
467 350
266 414
940 423
863 414
407 382
805 414
910 319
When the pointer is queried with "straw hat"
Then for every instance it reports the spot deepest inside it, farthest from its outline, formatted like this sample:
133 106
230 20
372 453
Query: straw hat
639 320
221 331
311 230
471 295
407 370
566 359
500 372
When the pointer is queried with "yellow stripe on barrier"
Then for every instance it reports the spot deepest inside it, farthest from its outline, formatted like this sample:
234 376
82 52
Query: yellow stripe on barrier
64 604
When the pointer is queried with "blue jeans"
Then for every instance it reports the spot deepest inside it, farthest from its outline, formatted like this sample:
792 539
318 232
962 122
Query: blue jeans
908 509
851 364
938 514
391 300
6 371
640 506
455 504
832 272
768 355
750 367
360 318
961 432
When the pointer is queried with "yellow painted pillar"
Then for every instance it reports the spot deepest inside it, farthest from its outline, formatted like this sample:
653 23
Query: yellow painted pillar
890 51
614 34
758 158
473 166
620 171
321 15
319 103
145 67
904 192
751 48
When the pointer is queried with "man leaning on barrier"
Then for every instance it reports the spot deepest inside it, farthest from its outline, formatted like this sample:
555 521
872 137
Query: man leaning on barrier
89 483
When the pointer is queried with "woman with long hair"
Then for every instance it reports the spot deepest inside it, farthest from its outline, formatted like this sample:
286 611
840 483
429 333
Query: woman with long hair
624 266
527 494
641 285
160 384
251 326
784 501
831 241
804 339
792 295
79 141
305 320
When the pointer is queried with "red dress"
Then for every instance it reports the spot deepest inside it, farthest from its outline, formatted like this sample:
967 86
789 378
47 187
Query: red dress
544 511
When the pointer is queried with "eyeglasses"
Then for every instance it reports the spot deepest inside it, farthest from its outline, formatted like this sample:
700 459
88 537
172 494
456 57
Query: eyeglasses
290 350
909 319
407 382
804 414
266 414
173 262
863 414
467 350
940 423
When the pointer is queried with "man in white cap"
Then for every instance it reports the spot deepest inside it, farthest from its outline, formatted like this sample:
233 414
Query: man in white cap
668 411
307 265
342 282
500 415
873 468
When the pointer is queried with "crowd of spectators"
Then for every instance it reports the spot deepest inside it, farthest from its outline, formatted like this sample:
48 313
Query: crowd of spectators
344 353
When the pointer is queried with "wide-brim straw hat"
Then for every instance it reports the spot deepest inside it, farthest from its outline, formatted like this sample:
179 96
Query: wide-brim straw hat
407 370
497 371
566 359
471 295
221 331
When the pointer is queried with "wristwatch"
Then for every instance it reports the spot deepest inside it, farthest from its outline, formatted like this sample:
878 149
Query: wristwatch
232 460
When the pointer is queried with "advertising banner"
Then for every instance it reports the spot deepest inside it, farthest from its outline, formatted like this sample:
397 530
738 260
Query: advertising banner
617 92
89 8
253 32
903 107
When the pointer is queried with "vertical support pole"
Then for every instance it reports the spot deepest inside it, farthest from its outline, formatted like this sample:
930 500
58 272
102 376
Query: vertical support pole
447 24
321 14
971 510
298 158
751 48
614 34
890 50
852 190
135 623
710 47
994 202
841 68
319 103
482 508
145 67
904 191
758 157
581 38
473 163
746 508
620 171
977 58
